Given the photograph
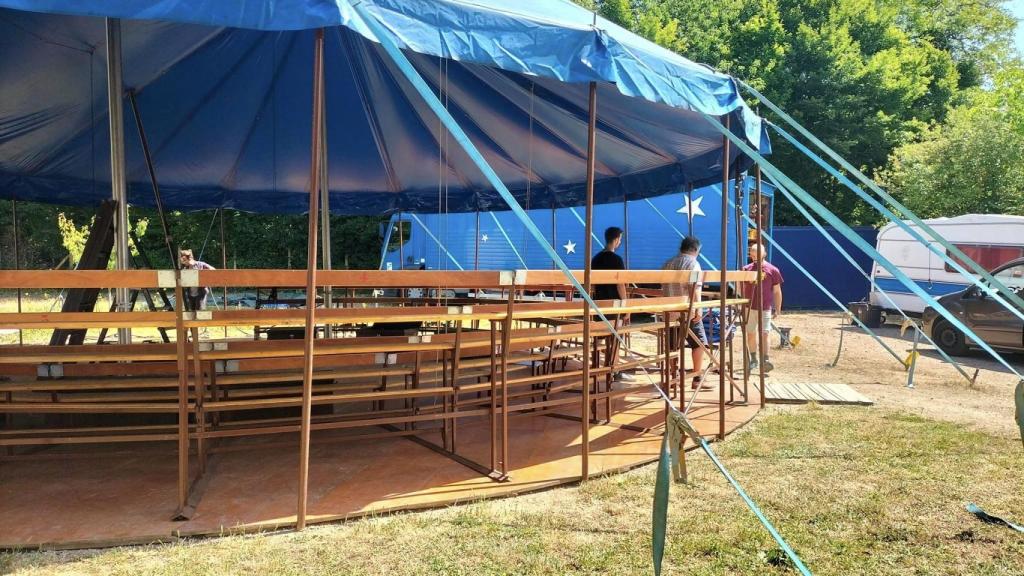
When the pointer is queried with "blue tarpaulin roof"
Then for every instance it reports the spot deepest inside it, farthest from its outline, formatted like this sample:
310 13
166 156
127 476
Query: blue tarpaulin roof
224 91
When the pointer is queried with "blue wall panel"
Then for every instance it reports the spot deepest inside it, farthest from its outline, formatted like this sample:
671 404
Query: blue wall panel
650 242
822 260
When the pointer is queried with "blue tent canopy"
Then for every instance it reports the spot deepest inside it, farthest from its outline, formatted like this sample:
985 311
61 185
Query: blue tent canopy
224 91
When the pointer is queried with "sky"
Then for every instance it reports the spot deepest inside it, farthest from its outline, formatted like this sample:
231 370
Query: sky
1017 8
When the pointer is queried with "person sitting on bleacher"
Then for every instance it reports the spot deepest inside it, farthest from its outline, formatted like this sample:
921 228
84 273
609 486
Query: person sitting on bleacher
195 297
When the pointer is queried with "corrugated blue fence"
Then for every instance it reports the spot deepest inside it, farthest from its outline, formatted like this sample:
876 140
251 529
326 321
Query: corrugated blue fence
822 260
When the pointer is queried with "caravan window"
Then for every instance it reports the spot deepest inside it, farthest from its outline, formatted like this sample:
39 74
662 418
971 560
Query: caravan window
990 256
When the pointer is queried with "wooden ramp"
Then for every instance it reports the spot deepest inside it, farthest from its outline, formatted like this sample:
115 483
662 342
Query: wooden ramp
783 393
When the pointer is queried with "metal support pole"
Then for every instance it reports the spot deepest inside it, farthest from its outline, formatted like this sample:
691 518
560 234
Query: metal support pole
118 178
588 247
757 288
182 366
325 203
625 229
223 264
506 344
17 259
476 244
689 213
314 203
164 227
723 286
912 363
554 229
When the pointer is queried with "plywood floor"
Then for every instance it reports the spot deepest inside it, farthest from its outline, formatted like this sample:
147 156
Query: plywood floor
793 393
126 494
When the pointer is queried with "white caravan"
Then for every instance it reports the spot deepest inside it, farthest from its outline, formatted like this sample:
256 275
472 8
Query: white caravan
989 239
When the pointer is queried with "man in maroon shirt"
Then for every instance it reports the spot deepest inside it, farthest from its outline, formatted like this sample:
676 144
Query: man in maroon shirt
763 303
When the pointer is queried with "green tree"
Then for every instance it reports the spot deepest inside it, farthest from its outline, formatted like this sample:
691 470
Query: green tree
618 11
971 164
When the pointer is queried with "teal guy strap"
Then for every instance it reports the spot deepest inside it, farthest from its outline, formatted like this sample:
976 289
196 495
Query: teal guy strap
384 248
592 234
757 511
508 240
681 235
380 34
909 229
990 519
410 73
835 244
435 239
854 238
979 269
820 286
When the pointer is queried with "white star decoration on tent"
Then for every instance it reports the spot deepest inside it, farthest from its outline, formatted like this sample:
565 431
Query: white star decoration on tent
692 209
570 247
484 238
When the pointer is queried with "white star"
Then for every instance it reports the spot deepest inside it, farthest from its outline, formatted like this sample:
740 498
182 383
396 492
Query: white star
570 247
692 209
484 238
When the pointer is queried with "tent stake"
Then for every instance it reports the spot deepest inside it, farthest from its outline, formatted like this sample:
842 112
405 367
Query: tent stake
311 253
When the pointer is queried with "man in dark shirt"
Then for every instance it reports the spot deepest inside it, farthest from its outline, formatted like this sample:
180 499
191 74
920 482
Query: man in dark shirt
607 259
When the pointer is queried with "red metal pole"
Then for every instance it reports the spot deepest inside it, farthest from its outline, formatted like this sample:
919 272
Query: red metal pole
587 242
311 252
757 288
723 288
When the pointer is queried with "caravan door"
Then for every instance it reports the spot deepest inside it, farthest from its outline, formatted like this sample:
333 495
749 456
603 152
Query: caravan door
989 319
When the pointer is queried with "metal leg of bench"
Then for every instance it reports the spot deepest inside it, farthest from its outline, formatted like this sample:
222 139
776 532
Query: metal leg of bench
492 415
456 353
200 392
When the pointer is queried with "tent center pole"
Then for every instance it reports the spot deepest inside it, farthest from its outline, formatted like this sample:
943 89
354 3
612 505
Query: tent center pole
311 253
118 179
758 290
723 287
588 246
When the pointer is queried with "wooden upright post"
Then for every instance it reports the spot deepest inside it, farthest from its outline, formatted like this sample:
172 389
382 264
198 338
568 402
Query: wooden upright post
311 251
723 287
588 247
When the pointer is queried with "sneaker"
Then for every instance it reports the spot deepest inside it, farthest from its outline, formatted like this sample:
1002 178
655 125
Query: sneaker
752 367
768 366
625 377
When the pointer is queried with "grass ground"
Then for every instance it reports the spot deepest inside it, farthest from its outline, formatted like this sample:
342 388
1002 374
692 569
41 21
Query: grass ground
854 490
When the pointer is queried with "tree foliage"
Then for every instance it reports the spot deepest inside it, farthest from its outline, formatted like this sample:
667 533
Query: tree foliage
866 76
971 164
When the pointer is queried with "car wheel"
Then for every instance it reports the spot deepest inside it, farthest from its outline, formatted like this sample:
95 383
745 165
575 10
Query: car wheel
951 340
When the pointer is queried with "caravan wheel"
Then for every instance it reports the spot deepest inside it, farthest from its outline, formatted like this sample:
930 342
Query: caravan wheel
950 339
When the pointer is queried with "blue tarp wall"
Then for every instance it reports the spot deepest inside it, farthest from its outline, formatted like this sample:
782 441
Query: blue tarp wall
650 240
826 264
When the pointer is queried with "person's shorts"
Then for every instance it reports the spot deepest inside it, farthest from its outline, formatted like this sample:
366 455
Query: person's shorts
766 325
697 328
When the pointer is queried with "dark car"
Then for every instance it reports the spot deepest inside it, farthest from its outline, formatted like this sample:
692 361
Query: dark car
989 319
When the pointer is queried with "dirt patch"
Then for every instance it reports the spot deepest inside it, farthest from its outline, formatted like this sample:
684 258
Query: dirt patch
940 392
